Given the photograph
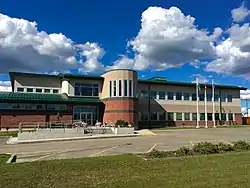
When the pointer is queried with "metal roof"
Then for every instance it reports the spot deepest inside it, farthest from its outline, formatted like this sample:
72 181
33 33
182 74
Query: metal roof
159 80
44 97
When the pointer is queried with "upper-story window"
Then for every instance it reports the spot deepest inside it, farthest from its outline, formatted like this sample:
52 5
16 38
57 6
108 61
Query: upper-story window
178 95
194 97
30 90
114 94
125 90
161 94
209 97
153 94
110 88
130 88
144 94
55 91
229 98
120 88
86 89
186 96
20 89
46 90
170 96
38 90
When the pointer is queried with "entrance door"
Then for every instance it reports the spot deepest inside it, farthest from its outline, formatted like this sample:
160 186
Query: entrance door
87 117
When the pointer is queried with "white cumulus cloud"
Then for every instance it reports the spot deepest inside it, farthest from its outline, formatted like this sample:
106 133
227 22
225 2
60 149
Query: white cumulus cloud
24 48
168 38
233 54
245 94
239 14
5 86
123 63
93 53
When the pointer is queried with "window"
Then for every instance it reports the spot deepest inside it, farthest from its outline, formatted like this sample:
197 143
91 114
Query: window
110 88
194 98
178 95
209 116
202 116
223 98
230 117
153 94
209 97
20 89
57 107
201 97
144 94
229 98
86 89
55 91
130 88
170 96
223 116
187 116
194 116
162 95
144 116
162 116
46 90
39 90
170 116
120 88
217 116
216 97
30 90
153 116
135 94
178 116
114 94
125 83
186 96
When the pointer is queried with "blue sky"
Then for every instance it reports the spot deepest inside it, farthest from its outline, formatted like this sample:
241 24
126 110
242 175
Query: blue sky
110 25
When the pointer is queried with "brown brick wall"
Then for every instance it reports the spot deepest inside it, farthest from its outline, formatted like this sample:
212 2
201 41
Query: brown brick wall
120 108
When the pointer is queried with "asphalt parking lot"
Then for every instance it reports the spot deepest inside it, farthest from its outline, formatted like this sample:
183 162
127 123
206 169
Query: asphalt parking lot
165 140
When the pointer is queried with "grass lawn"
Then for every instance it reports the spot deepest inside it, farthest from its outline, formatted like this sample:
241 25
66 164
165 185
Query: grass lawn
128 171
8 133
4 158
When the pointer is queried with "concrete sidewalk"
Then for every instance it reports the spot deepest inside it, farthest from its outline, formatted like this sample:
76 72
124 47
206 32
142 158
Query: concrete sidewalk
14 140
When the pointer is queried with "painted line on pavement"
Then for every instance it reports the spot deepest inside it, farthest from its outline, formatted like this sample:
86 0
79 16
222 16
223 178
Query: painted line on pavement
191 143
151 149
93 155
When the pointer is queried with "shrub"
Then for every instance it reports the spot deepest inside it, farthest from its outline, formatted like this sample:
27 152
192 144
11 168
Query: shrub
121 123
222 147
205 148
184 151
241 146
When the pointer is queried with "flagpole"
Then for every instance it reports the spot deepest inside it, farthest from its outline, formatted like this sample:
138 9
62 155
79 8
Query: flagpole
213 103
197 103
205 99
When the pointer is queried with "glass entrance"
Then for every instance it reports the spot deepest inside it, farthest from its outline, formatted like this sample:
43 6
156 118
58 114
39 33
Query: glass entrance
87 117
88 114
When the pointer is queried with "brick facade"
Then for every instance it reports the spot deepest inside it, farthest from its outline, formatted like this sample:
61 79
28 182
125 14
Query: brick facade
120 108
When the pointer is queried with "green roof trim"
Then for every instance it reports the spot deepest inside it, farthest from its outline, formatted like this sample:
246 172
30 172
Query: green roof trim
44 97
188 84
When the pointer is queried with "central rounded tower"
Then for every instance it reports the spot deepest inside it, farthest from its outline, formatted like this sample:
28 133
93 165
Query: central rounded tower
119 95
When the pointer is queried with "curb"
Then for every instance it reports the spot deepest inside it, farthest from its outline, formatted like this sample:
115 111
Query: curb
70 139
12 158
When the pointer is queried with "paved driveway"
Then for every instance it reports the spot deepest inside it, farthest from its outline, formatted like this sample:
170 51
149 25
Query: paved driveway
165 140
